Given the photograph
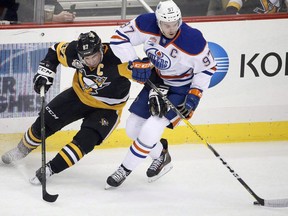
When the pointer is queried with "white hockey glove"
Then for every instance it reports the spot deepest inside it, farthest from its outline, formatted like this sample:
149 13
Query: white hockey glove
44 76
157 105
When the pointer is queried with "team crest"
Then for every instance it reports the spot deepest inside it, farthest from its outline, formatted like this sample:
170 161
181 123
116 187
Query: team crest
92 84
159 59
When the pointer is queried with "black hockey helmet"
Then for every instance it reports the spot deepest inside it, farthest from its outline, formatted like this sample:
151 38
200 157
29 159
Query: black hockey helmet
88 44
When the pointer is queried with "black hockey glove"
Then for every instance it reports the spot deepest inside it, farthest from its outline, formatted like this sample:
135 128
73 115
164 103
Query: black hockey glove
157 105
44 76
190 103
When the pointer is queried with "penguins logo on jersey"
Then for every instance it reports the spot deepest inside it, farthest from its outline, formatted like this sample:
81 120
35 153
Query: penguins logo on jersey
159 59
92 84
267 7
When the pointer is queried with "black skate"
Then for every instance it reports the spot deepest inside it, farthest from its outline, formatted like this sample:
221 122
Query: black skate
160 166
117 178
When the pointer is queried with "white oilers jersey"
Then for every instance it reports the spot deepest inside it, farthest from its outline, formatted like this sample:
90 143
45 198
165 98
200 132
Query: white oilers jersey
185 59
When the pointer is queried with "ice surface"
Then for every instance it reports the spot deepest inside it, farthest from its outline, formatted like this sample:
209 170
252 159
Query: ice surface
198 185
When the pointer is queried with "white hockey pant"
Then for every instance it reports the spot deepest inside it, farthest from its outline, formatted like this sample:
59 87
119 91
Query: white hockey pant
146 135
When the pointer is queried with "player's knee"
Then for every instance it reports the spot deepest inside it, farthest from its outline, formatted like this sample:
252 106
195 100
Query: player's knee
36 129
131 132
87 139
133 125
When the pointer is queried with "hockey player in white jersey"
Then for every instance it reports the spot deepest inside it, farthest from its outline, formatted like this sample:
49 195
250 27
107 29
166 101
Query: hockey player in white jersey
184 66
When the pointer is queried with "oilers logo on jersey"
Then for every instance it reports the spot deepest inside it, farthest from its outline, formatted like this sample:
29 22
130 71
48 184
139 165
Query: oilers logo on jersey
159 59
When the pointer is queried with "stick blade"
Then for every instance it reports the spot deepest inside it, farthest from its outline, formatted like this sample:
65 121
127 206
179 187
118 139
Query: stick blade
275 203
50 198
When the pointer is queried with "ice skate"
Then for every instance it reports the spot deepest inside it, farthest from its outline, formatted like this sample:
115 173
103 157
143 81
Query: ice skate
117 178
160 166
17 153
37 179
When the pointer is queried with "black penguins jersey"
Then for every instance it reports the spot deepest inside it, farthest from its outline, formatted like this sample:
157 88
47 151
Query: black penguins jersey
105 86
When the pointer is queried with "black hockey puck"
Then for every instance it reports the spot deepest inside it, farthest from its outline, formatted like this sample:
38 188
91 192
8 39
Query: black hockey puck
256 203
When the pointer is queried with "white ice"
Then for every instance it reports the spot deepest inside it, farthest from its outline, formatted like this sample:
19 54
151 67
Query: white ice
198 185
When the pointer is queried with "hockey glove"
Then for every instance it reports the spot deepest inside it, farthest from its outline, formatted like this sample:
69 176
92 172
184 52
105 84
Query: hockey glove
44 76
141 70
157 105
190 103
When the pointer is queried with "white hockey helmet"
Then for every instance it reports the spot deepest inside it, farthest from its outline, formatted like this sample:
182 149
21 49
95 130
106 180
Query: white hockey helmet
168 11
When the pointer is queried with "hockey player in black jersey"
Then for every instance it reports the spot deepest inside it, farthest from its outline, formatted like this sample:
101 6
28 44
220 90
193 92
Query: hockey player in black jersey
99 91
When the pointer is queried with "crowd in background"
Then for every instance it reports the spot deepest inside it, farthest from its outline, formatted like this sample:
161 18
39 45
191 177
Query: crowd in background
22 11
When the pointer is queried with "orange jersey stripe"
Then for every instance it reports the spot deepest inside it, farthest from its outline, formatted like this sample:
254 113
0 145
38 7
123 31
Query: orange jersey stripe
140 149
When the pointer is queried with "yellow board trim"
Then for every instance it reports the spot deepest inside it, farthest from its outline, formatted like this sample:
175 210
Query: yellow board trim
213 133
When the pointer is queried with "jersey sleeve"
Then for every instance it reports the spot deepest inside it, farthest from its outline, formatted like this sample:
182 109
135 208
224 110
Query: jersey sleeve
124 71
61 50
51 56
204 67
125 38
61 53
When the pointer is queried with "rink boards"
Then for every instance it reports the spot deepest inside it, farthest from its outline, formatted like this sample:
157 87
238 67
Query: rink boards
247 102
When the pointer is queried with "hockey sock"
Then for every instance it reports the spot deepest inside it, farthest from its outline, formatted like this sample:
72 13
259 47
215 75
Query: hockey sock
68 156
138 151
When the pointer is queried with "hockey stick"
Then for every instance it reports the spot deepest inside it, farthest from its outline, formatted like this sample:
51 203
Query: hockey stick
45 195
260 201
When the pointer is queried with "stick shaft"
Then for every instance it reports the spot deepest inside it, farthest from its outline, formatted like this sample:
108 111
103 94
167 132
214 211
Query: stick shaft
43 138
45 195
260 200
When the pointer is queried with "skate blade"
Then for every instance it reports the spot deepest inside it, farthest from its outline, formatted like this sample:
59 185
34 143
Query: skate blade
107 187
165 170
34 181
